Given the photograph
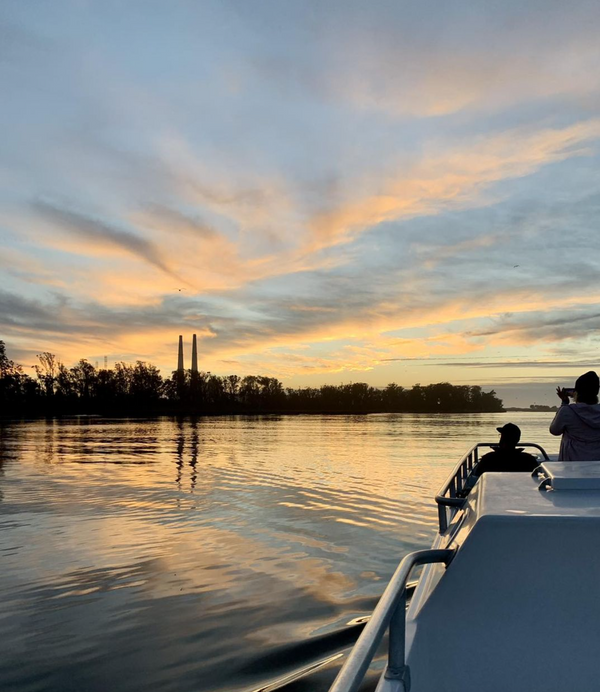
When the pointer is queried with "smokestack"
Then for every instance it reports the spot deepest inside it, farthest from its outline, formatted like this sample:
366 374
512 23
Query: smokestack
194 355
180 356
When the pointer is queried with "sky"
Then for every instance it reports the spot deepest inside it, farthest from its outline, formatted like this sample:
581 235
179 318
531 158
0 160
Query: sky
323 191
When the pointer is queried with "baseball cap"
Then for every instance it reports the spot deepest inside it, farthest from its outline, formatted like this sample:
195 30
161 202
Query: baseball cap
510 431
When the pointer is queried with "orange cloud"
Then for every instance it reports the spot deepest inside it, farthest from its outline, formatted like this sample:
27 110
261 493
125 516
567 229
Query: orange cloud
359 344
166 247
442 319
457 177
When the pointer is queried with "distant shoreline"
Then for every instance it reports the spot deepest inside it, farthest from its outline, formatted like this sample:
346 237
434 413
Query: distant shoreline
225 414
141 390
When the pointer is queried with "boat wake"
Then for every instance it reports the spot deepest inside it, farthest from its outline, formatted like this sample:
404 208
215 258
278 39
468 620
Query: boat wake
318 674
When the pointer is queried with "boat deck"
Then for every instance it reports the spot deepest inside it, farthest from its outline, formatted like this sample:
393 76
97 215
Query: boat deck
510 494
525 577
508 599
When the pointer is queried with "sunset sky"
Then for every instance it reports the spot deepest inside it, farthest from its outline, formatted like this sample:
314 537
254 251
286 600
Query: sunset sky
323 191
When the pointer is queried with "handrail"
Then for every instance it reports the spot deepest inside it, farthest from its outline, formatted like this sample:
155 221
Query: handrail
451 493
390 611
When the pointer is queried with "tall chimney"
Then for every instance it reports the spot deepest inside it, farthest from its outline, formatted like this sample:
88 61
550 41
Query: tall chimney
194 355
180 356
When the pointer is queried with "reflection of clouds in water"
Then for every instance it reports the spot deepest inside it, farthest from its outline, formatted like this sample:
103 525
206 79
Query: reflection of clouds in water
191 601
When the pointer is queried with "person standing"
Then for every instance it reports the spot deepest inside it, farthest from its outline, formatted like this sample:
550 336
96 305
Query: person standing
579 422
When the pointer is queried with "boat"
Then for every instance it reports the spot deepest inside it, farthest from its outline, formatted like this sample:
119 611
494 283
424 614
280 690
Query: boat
509 596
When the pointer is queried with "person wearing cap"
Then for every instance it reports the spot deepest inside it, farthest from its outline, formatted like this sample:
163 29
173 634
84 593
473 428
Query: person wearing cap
506 457
579 422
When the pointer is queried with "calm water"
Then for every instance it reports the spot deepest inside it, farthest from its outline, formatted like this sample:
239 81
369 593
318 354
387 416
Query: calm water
222 554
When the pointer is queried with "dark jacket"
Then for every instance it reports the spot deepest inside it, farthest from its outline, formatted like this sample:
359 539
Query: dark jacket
503 460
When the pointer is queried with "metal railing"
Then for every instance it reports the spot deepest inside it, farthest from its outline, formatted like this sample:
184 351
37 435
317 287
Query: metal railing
390 611
453 493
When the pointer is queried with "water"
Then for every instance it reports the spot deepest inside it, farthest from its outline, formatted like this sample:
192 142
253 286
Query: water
214 555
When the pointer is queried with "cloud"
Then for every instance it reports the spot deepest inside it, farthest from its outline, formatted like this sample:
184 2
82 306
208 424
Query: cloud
348 308
343 335
31 270
432 256
21 313
467 78
577 322
91 330
433 60
102 234
518 364
321 211
173 221
454 179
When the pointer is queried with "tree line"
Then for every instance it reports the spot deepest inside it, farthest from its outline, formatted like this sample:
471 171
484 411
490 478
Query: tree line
141 390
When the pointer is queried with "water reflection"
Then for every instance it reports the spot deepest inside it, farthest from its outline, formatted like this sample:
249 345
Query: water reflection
179 446
194 444
187 445
211 554
98 441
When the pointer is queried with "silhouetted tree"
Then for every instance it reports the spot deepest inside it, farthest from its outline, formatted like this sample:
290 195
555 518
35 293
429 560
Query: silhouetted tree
11 379
64 383
146 385
47 371
231 384
140 388
84 379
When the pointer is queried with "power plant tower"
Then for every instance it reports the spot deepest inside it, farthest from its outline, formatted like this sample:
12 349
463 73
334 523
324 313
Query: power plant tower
180 356
194 355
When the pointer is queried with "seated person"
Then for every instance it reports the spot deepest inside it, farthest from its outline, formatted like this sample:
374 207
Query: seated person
506 457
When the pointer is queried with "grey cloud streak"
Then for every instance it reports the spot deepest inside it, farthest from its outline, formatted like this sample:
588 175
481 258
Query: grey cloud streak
59 315
519 364
262 319
542 327
18 312
89 228
167 218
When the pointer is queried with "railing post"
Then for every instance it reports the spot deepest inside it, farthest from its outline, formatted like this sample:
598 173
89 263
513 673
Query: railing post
443 517
396 667
389 612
